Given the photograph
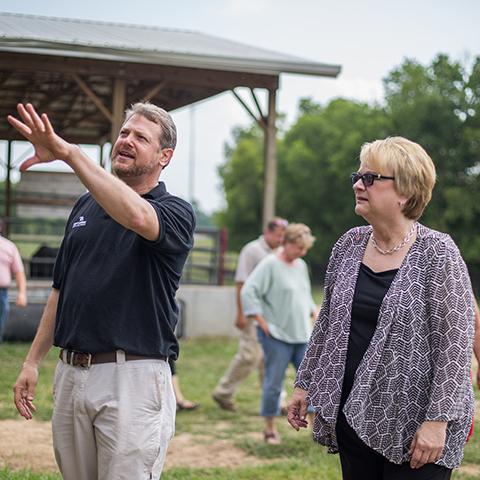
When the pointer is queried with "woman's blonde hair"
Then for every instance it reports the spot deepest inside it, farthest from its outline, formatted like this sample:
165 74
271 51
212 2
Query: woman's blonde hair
300 234
412 168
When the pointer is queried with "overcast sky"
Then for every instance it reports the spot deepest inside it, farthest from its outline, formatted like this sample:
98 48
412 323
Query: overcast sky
367 38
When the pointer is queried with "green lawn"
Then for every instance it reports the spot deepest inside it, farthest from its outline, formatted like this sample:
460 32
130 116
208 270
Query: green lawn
202 363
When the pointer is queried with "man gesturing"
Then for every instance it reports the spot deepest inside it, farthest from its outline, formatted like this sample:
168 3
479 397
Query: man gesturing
112 310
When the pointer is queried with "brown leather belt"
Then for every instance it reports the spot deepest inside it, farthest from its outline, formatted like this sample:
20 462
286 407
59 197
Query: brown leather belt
83 359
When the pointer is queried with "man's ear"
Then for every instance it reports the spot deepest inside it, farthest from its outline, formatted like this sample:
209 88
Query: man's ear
165 156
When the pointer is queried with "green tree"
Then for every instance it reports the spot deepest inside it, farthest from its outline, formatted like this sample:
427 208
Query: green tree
437 105
315 160
242 177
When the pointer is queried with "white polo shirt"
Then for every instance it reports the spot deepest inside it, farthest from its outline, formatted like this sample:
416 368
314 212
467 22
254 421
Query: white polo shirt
250 256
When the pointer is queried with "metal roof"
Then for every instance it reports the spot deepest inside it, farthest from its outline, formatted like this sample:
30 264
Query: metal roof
145 44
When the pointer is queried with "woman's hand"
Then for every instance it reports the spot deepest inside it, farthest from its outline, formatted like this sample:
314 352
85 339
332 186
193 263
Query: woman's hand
428 443
262 323
297 409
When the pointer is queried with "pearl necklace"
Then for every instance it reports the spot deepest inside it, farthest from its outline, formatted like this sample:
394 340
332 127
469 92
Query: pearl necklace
407 238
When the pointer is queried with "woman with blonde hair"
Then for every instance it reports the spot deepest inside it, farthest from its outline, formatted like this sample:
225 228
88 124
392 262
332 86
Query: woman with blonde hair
277 294
387 368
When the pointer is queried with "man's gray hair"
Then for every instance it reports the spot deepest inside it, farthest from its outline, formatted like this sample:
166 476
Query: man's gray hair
168 135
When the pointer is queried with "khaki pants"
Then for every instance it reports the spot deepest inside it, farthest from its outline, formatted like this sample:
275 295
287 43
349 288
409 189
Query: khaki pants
249 357
113 421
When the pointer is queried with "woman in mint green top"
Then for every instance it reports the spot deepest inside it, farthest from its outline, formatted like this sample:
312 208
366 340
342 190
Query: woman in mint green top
278 295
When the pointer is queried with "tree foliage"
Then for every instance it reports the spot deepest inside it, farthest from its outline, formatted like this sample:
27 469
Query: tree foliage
316 158
242 177
436 105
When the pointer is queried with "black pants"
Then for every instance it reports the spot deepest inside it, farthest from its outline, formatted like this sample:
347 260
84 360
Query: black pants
360 462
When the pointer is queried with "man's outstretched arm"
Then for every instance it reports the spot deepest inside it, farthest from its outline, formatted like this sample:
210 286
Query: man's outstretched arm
122 203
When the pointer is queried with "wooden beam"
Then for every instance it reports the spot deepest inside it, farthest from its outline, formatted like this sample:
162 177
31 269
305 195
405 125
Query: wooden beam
4 77
270 153
92 139
93 97
172 74
67 117
260 112
261 121
118 108
8 190
154 91
72 122
49 99
102 163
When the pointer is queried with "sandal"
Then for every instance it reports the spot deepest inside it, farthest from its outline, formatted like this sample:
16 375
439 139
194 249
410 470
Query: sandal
272 438
187 405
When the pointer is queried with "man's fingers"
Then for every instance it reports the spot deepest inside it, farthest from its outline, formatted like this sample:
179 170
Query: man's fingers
22 111
46 122
29 404
37 121
18 125
21 402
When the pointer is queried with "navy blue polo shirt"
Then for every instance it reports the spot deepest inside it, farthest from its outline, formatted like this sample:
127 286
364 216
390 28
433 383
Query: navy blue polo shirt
117 289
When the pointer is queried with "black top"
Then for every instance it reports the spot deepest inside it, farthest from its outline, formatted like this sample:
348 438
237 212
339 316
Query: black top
117 289
370 289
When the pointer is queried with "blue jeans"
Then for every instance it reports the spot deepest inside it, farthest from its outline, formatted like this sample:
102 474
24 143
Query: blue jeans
276 356
3 310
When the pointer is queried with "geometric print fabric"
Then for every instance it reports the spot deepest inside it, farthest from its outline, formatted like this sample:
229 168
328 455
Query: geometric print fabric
417 366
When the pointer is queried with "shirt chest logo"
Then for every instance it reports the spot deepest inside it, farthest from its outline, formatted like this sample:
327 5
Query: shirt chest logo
80 223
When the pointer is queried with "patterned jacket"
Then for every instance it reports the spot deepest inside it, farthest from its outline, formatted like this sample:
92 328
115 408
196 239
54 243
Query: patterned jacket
417 366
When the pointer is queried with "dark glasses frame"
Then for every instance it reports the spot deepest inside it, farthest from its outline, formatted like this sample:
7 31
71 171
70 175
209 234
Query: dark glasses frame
368 178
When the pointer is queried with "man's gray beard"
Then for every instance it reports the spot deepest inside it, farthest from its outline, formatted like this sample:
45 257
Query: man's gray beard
131 171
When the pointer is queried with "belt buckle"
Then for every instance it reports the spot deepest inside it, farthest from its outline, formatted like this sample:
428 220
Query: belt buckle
75 355
89 361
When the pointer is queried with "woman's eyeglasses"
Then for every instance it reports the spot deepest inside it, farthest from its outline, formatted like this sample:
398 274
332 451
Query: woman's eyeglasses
368 178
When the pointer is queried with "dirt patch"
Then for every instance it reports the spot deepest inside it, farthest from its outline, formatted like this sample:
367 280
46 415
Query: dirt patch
187 450
28 445
472 470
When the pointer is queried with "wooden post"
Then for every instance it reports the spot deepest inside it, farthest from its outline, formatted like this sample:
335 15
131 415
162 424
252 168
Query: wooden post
101 155
8 191
270 160
118 109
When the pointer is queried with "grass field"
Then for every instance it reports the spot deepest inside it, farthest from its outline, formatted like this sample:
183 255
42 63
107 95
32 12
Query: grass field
202 363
